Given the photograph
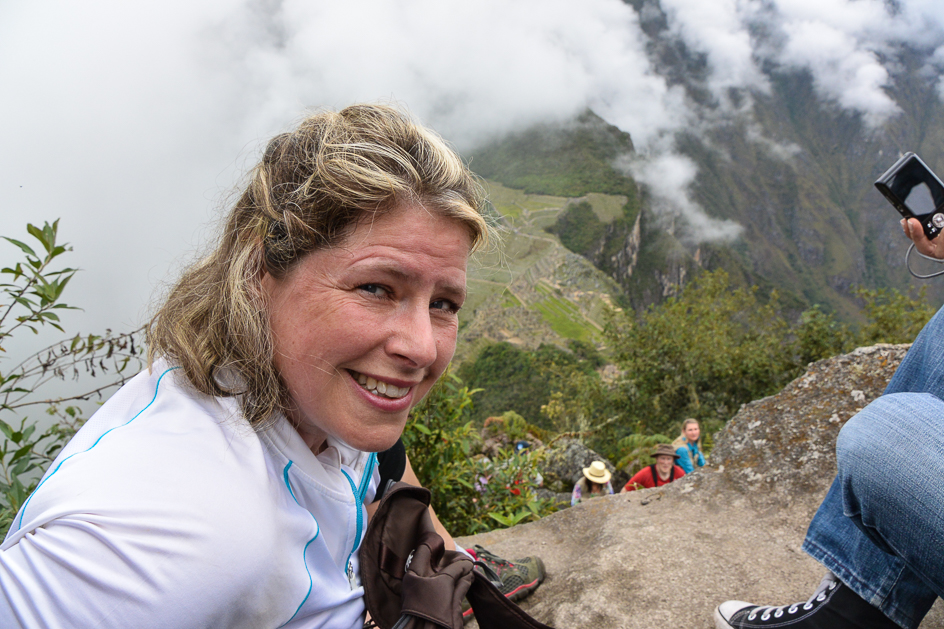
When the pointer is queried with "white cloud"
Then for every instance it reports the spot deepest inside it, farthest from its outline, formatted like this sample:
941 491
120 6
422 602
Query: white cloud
131 120
719 29
842 70
669 178
844 44
784 151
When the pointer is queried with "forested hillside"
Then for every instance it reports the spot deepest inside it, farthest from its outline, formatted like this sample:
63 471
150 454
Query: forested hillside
809 263
794 170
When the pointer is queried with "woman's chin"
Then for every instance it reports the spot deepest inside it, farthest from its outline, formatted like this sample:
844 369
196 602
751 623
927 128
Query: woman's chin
375 441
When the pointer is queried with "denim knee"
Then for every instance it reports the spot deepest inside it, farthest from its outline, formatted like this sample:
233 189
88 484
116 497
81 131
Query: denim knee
892 444
877 434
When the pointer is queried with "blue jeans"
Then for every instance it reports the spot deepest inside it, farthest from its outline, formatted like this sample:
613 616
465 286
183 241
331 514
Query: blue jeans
880 528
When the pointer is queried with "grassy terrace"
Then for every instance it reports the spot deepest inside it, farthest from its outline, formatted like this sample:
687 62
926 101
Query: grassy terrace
525 251
563 315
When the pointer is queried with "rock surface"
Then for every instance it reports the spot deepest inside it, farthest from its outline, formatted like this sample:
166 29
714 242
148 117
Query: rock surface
666 557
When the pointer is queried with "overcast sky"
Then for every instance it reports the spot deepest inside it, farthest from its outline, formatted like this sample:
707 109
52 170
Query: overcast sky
133 121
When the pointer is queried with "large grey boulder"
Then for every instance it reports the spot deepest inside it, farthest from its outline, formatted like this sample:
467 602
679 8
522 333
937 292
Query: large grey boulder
666 557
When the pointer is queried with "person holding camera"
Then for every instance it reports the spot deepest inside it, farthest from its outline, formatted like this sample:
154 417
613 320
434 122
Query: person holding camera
880 529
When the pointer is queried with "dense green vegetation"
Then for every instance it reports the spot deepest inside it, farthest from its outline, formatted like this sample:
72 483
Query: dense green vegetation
521 380
579 229
567 160
470 494
699 354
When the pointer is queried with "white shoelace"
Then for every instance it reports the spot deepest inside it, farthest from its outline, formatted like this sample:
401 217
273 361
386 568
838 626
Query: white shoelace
828 584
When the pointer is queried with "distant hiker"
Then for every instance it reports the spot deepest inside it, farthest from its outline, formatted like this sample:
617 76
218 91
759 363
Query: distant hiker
595 482
688 446
662 472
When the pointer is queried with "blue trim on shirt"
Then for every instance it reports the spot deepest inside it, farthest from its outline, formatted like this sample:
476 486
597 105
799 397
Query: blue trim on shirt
365 478
102 436
359 494
305 550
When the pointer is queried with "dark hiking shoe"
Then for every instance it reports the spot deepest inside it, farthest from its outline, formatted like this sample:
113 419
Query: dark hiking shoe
515 578
832 606
518 578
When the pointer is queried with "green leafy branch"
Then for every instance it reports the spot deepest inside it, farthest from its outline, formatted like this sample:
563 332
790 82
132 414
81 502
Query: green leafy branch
31 292
32 285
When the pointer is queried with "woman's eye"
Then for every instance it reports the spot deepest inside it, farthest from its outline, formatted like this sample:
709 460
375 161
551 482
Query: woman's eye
445 305
374 289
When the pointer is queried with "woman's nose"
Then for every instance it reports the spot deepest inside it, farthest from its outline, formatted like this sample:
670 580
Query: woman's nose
414 337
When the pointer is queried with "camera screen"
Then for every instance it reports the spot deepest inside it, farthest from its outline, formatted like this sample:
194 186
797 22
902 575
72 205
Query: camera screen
919 200
917 187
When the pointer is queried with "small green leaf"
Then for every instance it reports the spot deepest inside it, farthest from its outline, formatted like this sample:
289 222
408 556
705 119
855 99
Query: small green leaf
21 452
39 234
22 245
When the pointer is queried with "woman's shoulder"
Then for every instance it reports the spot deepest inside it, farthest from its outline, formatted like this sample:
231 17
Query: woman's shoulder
154 447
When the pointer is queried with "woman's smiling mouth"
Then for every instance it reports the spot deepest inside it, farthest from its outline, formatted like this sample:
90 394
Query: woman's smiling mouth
378 387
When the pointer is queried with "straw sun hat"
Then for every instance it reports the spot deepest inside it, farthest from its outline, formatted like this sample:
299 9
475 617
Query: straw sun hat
597 473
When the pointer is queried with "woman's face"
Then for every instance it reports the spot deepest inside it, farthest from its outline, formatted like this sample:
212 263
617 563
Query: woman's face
692 432
364 329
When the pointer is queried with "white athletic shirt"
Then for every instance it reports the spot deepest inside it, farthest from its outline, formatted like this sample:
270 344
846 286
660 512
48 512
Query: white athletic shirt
168 511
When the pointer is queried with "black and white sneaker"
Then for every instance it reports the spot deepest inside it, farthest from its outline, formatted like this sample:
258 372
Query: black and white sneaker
832 606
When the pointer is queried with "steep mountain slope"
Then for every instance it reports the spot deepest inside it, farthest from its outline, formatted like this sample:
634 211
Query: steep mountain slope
795 171
814 225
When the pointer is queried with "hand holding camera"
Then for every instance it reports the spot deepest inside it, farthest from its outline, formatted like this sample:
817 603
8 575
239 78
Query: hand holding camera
918 195
931 248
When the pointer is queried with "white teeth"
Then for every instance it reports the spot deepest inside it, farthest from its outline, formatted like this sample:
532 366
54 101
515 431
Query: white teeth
381 388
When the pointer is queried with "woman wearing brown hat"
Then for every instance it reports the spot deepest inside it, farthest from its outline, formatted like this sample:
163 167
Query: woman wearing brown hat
595 482
663 472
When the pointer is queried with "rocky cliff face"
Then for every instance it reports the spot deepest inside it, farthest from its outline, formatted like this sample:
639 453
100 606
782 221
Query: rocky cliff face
666 557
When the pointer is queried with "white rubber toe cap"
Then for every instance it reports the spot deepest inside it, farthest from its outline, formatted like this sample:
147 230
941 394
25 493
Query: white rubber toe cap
726 610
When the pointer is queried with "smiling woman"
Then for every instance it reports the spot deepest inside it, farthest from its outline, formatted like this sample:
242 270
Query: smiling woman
225 486
382 308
